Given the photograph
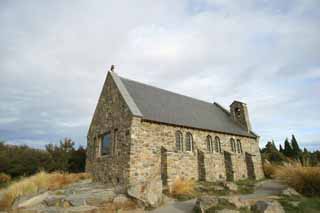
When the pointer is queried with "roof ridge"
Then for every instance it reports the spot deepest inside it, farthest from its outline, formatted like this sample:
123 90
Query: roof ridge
175 93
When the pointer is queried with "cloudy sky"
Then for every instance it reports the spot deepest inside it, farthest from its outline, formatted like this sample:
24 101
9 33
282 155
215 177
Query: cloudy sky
54 56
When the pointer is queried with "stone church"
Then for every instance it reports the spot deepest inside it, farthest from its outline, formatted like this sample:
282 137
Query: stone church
142 138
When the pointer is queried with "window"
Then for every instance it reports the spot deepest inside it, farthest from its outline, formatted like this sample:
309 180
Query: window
105 144
217 144
239 146
115 141
209 144
189 142
238 112
233 145
179 141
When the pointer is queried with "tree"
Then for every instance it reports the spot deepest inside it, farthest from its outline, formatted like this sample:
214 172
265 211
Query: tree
288 151
281 149
296 151
271 153
60 154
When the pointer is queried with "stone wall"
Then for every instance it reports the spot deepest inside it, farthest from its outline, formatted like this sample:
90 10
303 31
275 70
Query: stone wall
111 114
149 138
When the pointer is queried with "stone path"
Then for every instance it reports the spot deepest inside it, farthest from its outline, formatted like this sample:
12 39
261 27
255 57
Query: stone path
176 207
264 189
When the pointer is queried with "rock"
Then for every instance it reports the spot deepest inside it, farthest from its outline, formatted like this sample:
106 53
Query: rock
218 188
295 203
205 202
100 198
83 209
227 211
36 200
230 186
54 200
120 199
290 192
263 206
236 201
149 192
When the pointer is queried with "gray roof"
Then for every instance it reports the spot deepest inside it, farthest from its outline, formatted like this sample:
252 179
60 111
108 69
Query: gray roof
159 105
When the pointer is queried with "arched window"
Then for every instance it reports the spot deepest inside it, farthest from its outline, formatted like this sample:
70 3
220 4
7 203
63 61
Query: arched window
239 146
209 144
189 142
233 145
217 144
179 143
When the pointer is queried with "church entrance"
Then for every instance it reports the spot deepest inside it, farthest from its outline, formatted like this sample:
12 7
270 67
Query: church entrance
228 166
250 166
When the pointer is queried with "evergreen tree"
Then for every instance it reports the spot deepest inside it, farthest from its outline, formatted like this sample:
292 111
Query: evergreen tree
271 153
288 151
296 151
281 149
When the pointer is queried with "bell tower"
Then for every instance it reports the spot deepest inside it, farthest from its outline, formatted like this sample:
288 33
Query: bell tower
239 113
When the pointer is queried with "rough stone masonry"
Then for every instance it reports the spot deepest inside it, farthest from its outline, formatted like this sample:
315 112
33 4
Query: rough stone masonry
142 138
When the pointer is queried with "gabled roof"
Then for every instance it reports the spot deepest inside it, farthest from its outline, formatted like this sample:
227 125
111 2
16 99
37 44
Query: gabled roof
159 105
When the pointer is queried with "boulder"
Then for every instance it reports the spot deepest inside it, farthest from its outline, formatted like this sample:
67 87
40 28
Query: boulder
205 202
54 200
230 186
33 201
236 201
82 209
290 192
149 192
120 199
263 206
227 211
218 188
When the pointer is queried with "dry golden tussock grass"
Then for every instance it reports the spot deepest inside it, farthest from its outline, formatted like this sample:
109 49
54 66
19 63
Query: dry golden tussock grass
269 170
305 180
183 187
4 178
37 182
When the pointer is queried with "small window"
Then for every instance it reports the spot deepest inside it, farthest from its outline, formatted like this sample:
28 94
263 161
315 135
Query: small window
217 144
189 142
239 146
105 144
238 112
233 145
209 144
179 141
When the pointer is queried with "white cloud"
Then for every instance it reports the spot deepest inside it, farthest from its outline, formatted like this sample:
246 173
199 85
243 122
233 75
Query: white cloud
54 58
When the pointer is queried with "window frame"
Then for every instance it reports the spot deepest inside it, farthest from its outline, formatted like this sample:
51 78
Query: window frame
179 136
239 146
209 143
217 144
189 140
101 144
233 145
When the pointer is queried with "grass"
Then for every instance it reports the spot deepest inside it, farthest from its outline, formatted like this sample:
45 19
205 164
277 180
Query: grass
37 182
305 204
4 180
183 189
305 180
246 186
